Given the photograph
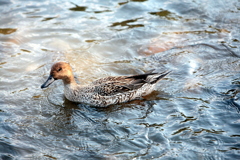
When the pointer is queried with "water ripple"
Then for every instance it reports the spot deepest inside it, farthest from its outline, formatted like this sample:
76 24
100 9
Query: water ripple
192 114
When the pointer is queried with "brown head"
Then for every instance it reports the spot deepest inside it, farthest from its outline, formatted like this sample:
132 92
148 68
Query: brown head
60 70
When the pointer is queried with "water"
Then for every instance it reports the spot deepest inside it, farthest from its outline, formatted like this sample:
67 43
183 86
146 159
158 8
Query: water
193 114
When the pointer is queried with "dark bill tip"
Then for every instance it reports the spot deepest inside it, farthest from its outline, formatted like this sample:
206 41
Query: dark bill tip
49 81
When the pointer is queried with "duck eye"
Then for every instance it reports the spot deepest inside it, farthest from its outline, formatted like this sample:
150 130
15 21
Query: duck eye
59 69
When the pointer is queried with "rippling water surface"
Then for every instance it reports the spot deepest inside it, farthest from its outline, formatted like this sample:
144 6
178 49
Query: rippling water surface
193 114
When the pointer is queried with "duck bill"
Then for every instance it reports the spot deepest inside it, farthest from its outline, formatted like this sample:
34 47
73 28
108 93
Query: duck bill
49 81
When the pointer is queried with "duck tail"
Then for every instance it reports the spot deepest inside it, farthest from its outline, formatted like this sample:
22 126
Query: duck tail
154 78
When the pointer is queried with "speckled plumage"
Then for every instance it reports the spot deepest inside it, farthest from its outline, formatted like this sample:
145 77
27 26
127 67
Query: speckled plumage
104 91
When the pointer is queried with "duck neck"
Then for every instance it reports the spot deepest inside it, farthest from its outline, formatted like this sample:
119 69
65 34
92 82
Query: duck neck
69 80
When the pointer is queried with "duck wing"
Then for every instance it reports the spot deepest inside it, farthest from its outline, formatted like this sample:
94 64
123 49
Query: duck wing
115 87
126 79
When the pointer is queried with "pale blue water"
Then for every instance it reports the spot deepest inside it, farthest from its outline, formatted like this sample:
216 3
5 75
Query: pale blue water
193 114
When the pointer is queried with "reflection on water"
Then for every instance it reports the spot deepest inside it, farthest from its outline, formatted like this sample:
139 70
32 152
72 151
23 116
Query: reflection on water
193 114
7 30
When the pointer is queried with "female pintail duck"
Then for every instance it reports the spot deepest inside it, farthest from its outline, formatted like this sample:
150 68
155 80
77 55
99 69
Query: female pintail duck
104 91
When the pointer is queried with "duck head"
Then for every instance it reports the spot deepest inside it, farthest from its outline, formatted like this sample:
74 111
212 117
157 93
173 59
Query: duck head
60 70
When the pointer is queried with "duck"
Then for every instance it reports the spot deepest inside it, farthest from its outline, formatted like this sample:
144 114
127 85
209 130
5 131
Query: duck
106 91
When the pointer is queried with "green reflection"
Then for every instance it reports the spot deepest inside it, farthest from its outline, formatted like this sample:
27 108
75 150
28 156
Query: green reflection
78 8
181 130
139 0
7 30
122 3
163 13
166 14
102 11
47 19
126 24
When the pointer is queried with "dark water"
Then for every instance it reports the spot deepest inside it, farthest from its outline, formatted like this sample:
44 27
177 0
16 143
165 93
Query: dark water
193 114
